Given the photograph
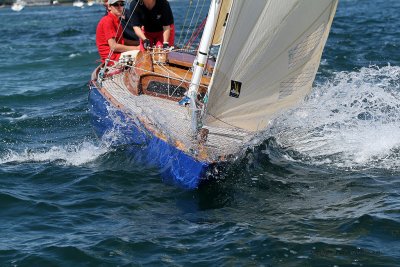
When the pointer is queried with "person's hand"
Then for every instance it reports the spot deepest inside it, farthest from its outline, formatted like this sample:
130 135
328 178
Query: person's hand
165 45
146 44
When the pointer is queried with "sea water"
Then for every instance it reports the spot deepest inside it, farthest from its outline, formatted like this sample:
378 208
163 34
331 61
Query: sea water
321 189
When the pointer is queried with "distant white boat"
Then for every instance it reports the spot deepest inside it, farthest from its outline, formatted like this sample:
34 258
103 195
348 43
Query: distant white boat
18 5
78 3
90 3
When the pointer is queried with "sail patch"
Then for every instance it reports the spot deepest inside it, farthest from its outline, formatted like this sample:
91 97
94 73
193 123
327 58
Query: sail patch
304 49
295 83
235 88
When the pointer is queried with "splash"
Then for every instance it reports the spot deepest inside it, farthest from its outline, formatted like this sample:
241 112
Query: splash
351 121
73 155
76 154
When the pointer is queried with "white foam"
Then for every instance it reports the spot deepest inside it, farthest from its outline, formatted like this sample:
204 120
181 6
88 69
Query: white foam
74 155
74 55
21 117
351 121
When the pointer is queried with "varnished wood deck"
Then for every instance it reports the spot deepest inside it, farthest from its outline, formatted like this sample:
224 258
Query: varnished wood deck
166 119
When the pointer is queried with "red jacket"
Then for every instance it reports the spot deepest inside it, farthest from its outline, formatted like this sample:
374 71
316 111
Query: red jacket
108 27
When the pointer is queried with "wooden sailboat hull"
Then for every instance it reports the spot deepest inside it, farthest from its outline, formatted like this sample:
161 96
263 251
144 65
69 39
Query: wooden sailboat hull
142 105
232 101
176 167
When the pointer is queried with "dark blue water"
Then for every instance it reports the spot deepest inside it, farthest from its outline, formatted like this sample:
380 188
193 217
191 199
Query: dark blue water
323 188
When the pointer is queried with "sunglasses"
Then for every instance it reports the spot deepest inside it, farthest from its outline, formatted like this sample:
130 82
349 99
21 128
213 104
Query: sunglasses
118 4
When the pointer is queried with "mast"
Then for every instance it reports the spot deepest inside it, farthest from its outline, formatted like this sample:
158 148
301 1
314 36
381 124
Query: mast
200 62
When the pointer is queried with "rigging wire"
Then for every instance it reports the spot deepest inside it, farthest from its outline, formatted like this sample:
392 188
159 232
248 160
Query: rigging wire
119 25
184 21
195 34
191 21
199 14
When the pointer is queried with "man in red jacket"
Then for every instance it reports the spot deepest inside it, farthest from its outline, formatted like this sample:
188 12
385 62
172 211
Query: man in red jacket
109 40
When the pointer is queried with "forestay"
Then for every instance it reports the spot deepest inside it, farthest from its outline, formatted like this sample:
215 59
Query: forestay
268 59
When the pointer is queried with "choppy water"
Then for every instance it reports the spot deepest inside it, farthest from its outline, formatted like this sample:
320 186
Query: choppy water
323 189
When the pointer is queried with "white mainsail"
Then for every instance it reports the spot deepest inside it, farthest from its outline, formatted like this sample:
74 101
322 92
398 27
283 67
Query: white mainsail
268 60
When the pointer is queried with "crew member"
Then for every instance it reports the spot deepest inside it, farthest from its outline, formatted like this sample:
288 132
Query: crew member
109 40
153 23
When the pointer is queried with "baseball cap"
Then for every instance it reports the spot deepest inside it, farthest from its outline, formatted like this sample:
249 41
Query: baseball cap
110 2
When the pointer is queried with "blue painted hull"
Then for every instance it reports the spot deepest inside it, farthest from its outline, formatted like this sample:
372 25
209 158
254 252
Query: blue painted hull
176 167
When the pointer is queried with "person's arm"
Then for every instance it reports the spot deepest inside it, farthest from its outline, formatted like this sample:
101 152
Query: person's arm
116 47
168 20
139 33
166 33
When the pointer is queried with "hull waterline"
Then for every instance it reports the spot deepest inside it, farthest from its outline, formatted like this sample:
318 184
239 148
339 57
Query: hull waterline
176 167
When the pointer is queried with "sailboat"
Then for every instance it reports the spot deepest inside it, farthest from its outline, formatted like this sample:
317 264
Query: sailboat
18 5
191 115
78 3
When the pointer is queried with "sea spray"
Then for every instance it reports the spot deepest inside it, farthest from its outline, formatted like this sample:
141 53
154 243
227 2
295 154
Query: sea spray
350 121
70 154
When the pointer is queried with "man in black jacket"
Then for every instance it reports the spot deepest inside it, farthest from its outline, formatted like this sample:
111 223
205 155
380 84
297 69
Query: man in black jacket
152 22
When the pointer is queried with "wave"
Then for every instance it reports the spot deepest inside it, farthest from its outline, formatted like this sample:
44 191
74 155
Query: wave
350 121
72 154
68 32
